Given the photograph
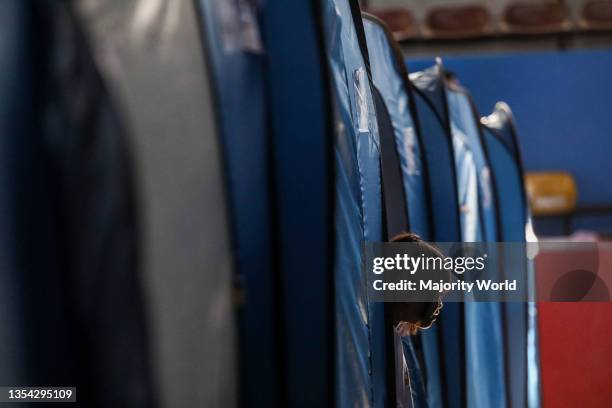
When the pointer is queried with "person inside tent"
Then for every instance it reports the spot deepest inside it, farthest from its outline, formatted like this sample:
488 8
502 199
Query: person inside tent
408 319
414 316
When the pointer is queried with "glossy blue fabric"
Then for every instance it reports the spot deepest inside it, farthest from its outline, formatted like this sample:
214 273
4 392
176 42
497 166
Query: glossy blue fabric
478 207
301 127
443 343
513 220
476 361
389 82
417 385
485 373
360 351
506 164
387 79
438 150
239 83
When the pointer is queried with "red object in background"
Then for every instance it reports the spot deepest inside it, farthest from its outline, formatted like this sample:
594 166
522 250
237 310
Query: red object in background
575 346
576 354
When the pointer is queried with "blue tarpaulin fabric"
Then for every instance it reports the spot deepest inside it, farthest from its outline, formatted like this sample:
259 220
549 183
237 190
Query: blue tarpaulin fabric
387 78
417 384
501 141
476 179
360 365
443 343
239 82
388 81
513 220
481 357
439 157
302 141
506 165
486 385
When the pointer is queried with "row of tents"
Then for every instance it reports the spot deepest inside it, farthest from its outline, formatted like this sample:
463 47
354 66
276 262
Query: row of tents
187 187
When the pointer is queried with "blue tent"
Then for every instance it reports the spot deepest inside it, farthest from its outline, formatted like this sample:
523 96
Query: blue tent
485 348
360 342
389 76
286 125
301 143
519 318
274 118
238 79
478 365
443 345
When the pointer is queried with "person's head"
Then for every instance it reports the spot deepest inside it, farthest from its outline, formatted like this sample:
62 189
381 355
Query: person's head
410 317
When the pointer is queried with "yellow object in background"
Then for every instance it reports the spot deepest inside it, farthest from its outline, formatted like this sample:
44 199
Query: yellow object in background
551 193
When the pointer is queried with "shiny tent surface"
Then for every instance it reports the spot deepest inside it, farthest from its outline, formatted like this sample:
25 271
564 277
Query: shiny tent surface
360 360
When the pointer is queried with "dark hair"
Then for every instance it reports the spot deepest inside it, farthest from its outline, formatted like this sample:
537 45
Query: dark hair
410 317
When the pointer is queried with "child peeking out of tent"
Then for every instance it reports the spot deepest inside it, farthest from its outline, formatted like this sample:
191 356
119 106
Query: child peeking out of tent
410 317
